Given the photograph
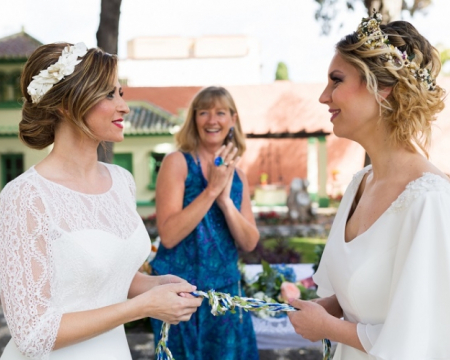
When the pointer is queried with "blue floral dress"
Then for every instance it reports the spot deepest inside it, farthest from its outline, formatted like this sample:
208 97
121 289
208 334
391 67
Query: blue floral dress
207 258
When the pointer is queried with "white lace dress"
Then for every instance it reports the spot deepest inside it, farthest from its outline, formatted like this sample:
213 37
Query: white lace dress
62 251
394 279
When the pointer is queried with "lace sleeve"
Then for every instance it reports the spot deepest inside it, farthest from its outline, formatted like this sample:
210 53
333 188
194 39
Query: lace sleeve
26 270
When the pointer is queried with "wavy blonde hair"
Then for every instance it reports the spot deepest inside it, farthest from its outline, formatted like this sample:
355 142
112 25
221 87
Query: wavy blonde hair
410 108
71 98
187 138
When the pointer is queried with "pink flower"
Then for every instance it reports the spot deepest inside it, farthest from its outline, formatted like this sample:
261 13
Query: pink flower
308 282
288 291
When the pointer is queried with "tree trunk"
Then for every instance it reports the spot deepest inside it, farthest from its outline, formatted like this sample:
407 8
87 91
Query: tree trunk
107 39
108 30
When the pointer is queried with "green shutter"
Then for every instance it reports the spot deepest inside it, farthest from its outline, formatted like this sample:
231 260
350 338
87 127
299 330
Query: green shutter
124 160
12 167
2 87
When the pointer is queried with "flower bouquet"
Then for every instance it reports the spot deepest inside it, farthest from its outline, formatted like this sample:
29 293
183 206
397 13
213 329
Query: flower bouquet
276 283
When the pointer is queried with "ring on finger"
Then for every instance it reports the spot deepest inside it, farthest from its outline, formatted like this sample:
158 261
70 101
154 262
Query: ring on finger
219 161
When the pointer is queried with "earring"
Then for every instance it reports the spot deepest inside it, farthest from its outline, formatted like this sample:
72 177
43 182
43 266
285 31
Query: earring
230 134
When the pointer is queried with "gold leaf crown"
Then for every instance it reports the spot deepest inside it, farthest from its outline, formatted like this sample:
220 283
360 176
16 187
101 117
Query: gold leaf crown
369 30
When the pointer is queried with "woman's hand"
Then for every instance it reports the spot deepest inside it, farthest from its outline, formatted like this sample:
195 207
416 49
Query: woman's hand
220 177
311 321
224 196
168 302
169 279
173 279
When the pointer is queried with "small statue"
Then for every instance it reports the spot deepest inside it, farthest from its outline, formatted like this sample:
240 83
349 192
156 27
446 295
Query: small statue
299 202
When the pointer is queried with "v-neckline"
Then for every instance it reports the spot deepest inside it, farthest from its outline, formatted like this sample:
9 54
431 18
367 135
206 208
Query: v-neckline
355 191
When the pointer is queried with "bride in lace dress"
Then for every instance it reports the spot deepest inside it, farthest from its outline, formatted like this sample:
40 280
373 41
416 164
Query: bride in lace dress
386 265
71 241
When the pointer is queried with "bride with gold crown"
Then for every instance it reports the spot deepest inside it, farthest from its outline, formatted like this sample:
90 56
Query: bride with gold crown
384 278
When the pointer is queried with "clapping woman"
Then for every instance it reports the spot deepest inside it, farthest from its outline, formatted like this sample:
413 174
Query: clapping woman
203 215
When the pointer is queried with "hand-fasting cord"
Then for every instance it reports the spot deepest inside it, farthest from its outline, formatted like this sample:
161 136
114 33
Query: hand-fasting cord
221 303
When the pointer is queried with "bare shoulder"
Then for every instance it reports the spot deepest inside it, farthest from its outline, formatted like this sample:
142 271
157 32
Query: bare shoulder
175 158
429 168
241 174
174 164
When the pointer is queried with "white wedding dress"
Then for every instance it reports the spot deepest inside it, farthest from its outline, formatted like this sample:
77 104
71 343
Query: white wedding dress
62 251
393 280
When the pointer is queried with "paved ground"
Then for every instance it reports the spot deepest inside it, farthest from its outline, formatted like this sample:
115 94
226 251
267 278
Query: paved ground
141 345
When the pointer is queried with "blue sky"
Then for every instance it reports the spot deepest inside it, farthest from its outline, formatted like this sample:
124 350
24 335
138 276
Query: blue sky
286 29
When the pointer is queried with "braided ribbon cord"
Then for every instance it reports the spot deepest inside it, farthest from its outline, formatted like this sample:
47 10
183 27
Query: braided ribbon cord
221 303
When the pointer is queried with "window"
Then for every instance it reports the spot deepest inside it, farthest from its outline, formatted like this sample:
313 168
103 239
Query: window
124 160
10 87
155 160
15 91
12 167
155 164
2 86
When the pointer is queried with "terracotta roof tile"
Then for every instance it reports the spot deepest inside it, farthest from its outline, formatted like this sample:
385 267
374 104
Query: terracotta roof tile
280 107
19 45
171 99
287 107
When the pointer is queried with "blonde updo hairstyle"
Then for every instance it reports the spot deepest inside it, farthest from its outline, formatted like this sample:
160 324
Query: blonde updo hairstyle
69 99
410 108
187 138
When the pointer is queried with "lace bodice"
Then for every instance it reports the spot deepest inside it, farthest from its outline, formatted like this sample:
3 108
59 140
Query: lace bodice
415 188
64 251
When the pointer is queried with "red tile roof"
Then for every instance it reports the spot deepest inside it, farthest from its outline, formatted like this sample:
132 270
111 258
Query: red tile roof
287 107
19 45
172 99
279 107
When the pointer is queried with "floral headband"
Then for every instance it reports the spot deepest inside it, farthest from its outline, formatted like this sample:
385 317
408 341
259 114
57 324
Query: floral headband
65 66
369 29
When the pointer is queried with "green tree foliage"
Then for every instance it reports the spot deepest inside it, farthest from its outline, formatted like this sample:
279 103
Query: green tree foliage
390 9
445 57
282 72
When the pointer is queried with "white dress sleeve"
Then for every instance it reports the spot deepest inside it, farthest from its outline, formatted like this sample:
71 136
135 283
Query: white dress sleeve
417 326
26 270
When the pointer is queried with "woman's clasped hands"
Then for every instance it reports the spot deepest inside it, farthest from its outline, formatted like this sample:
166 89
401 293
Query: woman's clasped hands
220 172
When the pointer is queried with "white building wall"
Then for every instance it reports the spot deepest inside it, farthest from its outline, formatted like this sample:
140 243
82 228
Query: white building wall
141 148
207 61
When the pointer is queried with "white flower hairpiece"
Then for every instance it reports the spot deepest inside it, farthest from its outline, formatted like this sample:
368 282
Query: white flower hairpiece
370 31
65 66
